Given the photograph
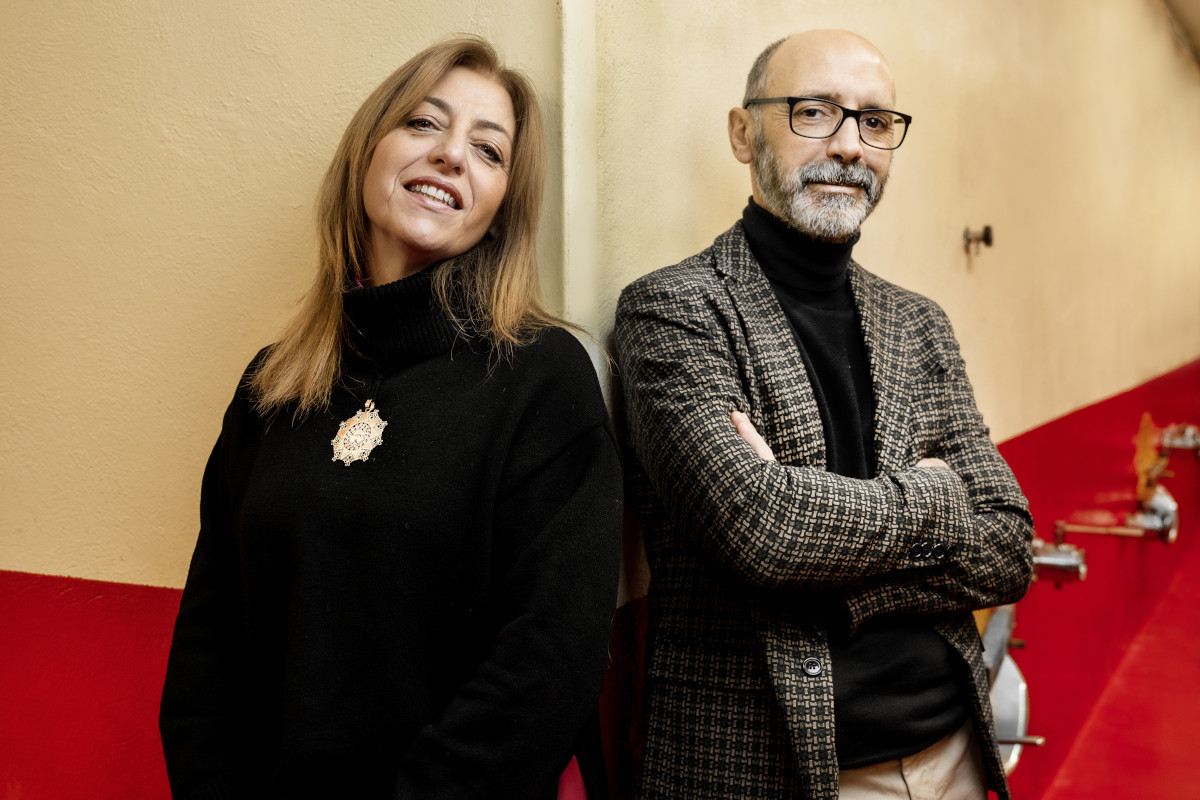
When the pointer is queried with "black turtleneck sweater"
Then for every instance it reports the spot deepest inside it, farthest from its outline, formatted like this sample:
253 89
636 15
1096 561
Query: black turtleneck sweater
896 684
432 622
809 279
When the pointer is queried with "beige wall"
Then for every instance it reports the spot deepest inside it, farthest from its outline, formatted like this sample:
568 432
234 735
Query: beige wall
1068 126
159 164
157 174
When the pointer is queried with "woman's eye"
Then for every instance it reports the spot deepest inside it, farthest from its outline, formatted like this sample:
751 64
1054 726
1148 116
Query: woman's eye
491 153
420 124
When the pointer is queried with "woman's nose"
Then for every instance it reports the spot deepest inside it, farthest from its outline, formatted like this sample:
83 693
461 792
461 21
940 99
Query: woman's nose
449 150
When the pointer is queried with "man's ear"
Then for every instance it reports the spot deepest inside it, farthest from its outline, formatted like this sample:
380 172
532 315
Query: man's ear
741 134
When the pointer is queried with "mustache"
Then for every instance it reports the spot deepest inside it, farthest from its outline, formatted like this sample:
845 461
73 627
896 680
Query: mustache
831 171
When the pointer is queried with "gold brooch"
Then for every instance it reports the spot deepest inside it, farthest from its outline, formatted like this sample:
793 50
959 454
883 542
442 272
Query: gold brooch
359 435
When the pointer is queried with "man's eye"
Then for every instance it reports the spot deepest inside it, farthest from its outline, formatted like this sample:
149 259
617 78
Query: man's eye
813 115
876 122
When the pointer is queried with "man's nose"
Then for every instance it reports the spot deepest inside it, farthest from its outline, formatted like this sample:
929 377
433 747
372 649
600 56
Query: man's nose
845 145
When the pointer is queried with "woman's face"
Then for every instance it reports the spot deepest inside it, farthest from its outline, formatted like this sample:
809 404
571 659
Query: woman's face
434 184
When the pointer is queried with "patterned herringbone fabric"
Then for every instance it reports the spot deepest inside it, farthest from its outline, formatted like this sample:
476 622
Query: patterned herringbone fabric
755 564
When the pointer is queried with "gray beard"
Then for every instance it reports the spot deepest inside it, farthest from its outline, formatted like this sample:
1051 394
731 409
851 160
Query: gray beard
829 216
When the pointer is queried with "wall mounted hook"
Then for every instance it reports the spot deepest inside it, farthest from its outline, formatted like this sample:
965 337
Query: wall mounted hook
976 237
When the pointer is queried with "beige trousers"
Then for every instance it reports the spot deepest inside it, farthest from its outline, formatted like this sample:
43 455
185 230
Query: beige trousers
951 769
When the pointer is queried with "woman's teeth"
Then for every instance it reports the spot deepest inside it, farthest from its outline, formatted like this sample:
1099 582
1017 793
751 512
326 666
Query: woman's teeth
435 193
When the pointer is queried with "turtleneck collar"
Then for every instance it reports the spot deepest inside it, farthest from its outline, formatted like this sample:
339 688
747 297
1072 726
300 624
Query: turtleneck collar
399 322
793 258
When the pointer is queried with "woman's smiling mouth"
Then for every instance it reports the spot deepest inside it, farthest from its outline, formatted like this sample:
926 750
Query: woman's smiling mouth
434 192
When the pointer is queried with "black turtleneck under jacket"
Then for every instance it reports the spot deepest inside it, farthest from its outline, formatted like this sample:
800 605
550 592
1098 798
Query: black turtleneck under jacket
897 686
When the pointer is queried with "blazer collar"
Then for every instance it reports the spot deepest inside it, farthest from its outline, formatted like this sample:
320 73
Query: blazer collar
889 355
791 406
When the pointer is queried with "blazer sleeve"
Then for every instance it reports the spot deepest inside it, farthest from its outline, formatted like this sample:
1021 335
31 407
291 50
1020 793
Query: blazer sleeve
772 525
512 728
996 509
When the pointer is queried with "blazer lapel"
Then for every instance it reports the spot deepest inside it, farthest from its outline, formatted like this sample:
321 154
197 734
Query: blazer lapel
782 392
888 353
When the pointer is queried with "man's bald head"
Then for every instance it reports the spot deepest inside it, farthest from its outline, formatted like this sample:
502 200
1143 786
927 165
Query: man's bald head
810 49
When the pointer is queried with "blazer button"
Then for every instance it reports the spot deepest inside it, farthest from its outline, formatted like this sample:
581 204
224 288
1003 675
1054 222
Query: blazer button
919 550
811 666
940 550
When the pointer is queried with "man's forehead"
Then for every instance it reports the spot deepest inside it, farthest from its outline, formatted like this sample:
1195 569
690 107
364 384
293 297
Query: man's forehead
859 97
834 65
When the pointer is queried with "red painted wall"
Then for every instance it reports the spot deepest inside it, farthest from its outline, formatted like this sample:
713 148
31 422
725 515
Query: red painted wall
1079 468
82 662
81 669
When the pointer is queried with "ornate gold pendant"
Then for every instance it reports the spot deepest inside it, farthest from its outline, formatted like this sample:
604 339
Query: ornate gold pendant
359 435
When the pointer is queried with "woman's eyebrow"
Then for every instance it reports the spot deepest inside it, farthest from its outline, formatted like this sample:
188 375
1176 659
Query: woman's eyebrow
496 126
482 123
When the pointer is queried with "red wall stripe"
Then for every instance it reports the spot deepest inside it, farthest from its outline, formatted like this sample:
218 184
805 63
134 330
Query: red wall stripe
1079 468
81 669
82 662
1138 740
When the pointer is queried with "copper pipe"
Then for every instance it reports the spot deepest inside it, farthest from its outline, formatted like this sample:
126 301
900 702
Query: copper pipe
1062 528
1034 741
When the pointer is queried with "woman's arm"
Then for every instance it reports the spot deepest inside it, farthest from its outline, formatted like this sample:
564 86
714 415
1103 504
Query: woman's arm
200 717
511 729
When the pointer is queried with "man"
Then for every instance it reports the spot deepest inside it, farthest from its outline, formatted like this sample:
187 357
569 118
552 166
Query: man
811 586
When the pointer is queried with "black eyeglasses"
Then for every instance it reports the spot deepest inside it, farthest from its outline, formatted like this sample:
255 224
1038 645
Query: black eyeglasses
814 118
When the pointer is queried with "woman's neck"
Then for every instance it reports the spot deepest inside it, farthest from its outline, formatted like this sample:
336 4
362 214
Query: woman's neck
389 261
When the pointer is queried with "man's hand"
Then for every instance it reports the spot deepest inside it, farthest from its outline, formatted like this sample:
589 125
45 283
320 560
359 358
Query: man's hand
750 435
746 430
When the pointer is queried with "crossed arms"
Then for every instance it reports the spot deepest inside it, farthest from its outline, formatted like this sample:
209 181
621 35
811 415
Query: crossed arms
913 540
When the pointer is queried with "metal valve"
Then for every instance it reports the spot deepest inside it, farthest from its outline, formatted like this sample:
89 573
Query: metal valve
1058 562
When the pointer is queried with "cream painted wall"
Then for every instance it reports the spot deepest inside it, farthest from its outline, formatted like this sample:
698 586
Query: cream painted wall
1070 126
157 178
159 165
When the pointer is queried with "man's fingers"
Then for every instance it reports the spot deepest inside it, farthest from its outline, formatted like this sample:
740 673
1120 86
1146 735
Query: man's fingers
933 463
747 431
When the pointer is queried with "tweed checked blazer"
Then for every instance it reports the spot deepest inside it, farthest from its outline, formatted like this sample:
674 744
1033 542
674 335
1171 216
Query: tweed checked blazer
754 565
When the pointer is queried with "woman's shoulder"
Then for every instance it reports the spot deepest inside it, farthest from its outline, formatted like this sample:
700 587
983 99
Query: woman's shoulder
552 366
554 350
243 405
243 390
555 384
554 341
258 360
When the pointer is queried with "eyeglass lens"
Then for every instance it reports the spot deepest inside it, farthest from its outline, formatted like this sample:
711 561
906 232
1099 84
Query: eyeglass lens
817 120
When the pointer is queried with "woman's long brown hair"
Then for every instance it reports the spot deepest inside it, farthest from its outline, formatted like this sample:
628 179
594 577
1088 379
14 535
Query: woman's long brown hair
490 291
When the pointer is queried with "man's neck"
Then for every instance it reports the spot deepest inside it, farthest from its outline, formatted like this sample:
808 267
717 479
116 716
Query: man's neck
794 258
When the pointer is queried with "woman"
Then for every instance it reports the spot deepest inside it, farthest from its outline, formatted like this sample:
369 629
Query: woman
409 530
